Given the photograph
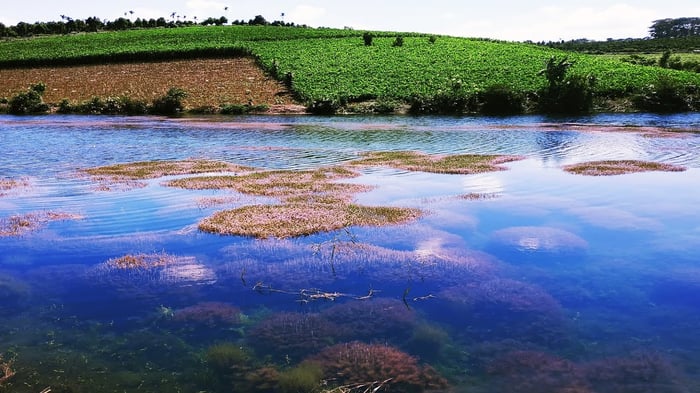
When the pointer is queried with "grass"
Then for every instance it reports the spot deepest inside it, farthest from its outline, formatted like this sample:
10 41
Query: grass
619 167
454 164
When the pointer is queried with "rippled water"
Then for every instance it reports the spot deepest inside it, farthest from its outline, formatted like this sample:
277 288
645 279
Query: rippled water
552 282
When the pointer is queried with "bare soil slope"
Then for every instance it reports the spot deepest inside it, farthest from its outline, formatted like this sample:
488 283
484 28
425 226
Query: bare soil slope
208 82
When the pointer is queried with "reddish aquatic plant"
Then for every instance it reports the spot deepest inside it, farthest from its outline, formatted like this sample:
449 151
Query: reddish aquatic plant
372 319
293 334
209 314
505 309
6 370
357 362
642 372
533 371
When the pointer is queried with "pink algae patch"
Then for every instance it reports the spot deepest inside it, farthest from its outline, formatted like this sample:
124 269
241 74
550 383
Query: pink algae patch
619 167
462 164
9 185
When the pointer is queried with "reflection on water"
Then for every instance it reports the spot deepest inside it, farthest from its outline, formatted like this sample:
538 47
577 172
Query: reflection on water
525 280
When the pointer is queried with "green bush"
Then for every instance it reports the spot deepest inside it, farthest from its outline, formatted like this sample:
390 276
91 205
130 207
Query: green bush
665 95
30 101
453 100
367 37
398 41
500 100
565 93
170 103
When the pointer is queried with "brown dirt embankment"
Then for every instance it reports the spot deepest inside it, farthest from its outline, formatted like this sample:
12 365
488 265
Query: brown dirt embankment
208 82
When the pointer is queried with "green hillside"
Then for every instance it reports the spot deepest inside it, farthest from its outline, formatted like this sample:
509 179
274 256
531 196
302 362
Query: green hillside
336 65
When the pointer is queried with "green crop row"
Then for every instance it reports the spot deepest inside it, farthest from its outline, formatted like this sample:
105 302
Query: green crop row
333 64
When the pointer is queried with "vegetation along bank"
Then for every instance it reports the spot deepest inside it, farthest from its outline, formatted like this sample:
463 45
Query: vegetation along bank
262 68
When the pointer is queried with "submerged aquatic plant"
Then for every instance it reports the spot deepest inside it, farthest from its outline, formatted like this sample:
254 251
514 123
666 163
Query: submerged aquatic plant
209 314
306 377
6 370
451 164
619 167
358 362
293 334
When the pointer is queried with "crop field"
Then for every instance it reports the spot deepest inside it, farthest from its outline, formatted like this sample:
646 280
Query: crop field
335 64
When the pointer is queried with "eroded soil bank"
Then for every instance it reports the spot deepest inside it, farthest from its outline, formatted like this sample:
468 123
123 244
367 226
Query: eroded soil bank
208 82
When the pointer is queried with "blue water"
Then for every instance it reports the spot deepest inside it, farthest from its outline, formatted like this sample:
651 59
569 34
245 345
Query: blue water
552 282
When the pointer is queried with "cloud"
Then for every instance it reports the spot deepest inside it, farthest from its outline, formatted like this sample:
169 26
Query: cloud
561 22
205 7
306 14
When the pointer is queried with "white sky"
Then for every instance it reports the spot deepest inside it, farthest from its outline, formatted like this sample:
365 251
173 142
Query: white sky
536 20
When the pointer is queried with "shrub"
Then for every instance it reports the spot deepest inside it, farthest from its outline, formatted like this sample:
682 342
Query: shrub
367 37
665 95
170 103
325 107
565 93
432 39
453 100
29 101
500 100
398 41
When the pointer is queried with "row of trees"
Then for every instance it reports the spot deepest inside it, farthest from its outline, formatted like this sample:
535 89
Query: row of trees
93 24
675 28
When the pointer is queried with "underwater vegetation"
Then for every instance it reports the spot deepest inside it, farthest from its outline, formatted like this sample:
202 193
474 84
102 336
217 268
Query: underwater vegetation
377 318
463 164
361 363
293 334
504 308
208 314
6 371
530 371
619 167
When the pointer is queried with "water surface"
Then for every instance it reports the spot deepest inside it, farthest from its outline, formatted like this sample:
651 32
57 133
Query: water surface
552 282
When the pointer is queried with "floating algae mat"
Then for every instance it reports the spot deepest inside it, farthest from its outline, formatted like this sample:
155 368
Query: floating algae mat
349 254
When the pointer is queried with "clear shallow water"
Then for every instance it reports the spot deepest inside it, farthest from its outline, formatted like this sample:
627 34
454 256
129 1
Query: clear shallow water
556 282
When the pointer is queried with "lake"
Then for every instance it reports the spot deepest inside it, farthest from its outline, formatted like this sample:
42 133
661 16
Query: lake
527 279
